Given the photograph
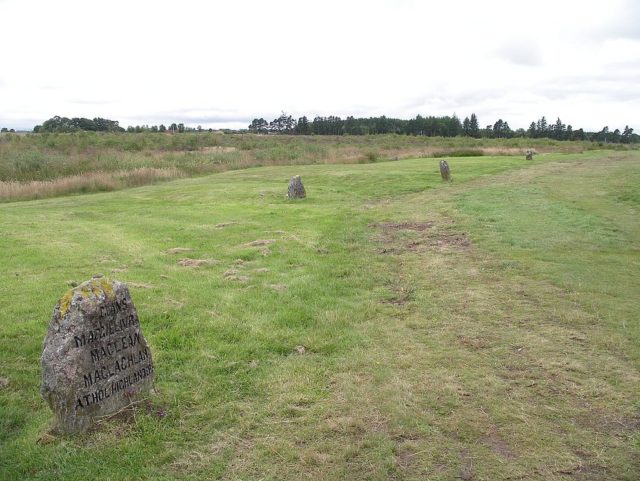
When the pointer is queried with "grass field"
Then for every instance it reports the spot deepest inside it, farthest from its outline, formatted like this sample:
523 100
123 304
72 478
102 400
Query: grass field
49 165
389 326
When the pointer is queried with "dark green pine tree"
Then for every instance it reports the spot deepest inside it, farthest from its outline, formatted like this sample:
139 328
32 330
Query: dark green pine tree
466 126
474 128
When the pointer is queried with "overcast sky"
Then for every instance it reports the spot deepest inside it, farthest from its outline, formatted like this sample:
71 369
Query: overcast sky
222 63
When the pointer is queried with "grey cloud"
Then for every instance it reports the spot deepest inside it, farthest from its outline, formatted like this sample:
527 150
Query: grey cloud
627 26
21 123
190 118
90 102
615 85
521 52
462 103
624 25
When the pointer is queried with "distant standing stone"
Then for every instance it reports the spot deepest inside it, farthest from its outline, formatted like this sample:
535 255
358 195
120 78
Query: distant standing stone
444 171
95 359
296 189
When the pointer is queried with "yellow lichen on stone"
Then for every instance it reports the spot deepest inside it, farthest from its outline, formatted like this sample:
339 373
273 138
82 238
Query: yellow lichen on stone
95 288
107 288
65 302
98 287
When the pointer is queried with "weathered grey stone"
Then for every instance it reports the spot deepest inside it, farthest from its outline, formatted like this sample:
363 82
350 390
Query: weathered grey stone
95 359
444 171
296 189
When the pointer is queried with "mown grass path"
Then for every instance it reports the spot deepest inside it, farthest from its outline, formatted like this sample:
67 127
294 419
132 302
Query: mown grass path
387 327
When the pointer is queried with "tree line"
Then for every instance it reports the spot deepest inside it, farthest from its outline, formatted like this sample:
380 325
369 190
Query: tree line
59 124
430 126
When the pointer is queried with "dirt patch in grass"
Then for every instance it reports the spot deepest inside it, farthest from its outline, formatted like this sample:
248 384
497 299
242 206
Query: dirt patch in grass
121 422
402 237
193 262
4 382
404 457
402 295
474 343
140 285
232 275
222 225
177 250
498 446
451 239
584 472
415 226
118 425
260 242
611 425
467 473
407 448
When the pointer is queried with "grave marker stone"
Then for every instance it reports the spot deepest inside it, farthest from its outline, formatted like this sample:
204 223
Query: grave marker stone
296 189
445 172
95 360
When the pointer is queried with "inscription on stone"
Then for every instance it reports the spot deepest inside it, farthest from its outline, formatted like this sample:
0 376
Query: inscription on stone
95 359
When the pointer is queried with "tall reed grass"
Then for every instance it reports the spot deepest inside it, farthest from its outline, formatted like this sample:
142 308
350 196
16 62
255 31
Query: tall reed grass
89 182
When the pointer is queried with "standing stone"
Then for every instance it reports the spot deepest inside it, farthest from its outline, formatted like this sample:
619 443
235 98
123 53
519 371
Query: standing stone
296 189
95 359
444 171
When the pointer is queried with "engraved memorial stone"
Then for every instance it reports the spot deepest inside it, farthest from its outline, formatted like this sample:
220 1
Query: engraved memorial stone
444 171
296 189
95 359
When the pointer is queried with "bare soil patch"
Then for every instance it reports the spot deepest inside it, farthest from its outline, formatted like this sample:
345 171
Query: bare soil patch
498 446
474 343
395 238
260 242
141 285
402 295
233 275
192 262
177 250
415 226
